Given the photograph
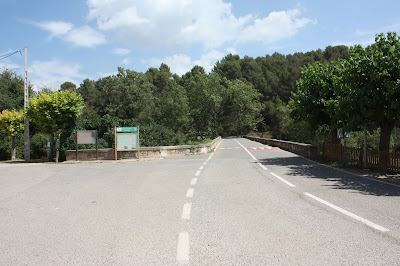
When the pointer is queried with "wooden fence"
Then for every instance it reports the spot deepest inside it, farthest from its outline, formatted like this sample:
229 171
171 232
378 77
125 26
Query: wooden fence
375 159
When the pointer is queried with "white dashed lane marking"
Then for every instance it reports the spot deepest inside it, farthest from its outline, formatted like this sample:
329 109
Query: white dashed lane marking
186 211
190 192
182 254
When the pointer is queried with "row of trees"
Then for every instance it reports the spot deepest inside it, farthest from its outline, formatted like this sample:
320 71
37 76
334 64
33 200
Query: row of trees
292 97
202 107
353 94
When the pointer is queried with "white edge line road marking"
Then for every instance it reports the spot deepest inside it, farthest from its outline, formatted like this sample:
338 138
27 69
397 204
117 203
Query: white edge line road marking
182 254
283 180
205 163
262 166
356 217
353 174
194 181
254 158
197 173
190 193
186 211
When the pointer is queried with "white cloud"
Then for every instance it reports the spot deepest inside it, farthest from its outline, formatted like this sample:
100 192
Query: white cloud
8 65
207 61
373 32
178 63
84 36
231 50
181 63
277 26
126 61
367 37
363 43
175 23
56 28
51 74
121 51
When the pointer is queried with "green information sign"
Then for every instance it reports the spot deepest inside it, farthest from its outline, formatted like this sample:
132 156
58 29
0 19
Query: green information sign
126 129
127 142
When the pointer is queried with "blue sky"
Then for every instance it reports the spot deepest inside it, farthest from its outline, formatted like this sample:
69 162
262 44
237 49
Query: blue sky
73 40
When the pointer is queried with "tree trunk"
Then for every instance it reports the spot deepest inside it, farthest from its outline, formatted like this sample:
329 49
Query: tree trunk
384 141
334 137
13 149
384 144
50 146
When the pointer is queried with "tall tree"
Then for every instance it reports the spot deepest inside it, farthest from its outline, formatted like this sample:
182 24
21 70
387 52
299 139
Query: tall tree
11 90
159 78
12 123
371 81
241 107
128 94
315 100
173 106
54 110
204 92
229 67
67 86
91 96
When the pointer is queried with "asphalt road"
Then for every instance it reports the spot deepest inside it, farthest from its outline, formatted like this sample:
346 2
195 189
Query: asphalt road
244 204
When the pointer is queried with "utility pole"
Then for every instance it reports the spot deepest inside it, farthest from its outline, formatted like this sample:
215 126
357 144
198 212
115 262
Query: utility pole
27 148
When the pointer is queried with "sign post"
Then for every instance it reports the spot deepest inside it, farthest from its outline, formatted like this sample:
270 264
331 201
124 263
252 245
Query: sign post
127 139
87 137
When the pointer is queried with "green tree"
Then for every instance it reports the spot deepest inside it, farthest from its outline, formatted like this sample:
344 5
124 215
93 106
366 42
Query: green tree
12 123
159 78
127 95
67 86
11 90
316 101
54 110
173 107
91 96
241 107
371 86
204 92
229 67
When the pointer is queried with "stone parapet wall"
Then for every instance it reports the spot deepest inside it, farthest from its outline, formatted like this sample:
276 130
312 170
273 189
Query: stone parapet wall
307 150
145 152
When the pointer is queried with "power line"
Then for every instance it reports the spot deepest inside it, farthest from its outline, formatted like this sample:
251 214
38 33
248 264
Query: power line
4 56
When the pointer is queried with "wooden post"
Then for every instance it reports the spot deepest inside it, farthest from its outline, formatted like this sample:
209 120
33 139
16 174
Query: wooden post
76 144
115 141
138 143
97 146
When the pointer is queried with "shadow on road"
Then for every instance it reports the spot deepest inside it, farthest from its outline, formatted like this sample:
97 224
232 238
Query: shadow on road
298 166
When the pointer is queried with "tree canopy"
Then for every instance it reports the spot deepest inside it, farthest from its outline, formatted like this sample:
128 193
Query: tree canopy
54 110
12 122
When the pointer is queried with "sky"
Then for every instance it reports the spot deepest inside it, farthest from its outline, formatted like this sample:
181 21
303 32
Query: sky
74 40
